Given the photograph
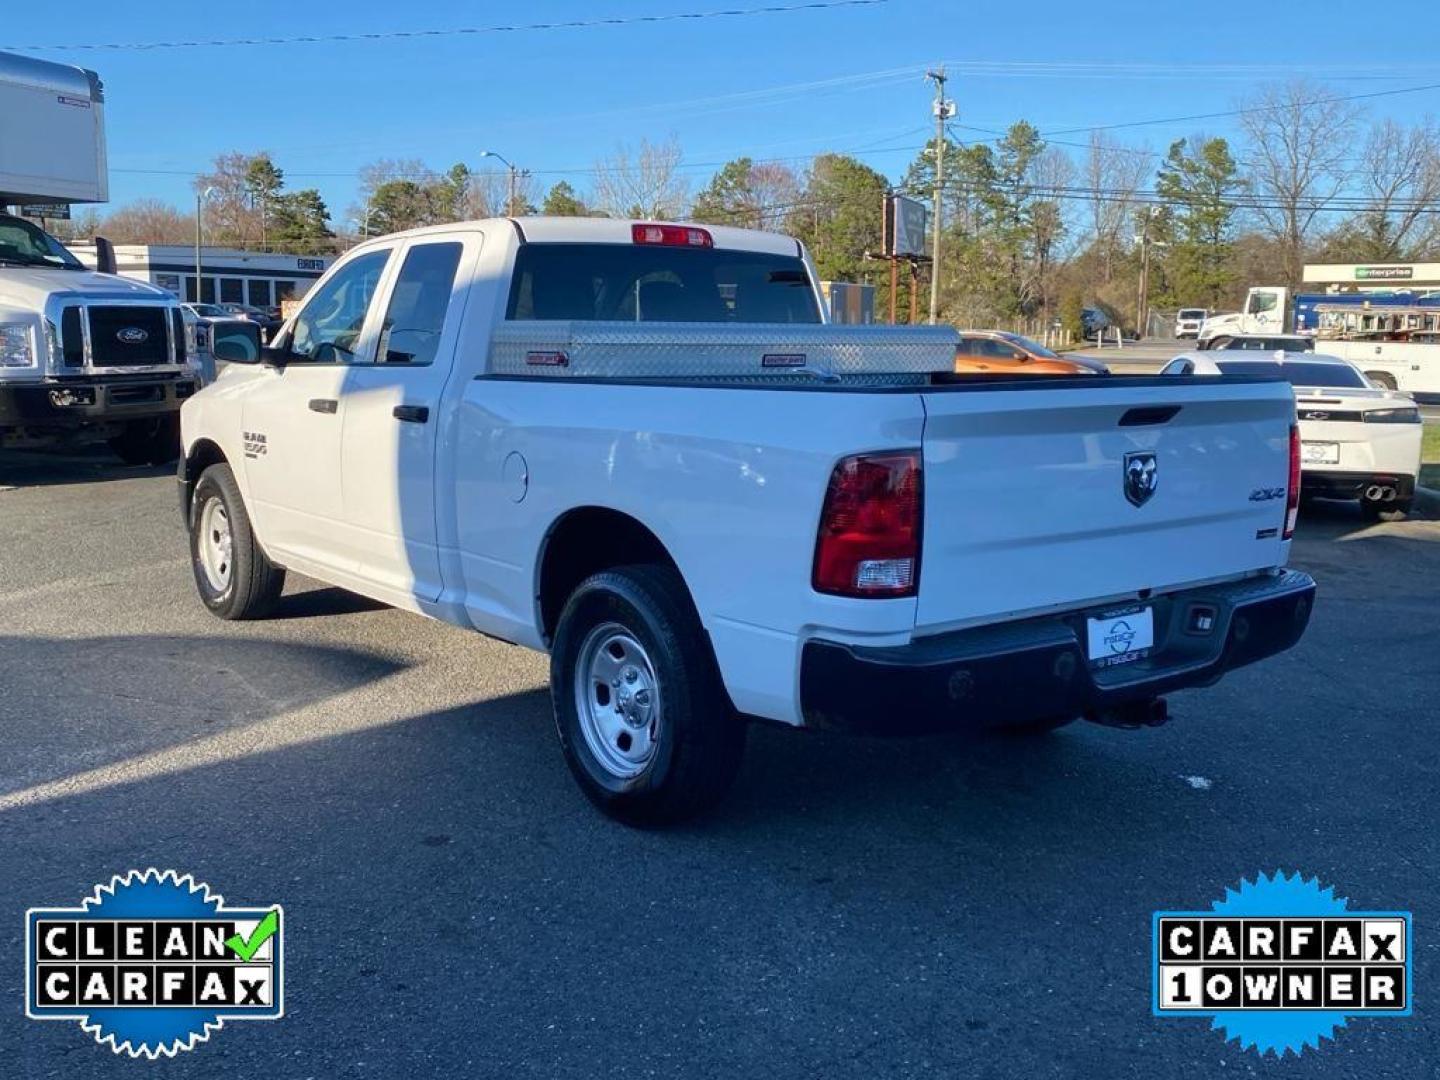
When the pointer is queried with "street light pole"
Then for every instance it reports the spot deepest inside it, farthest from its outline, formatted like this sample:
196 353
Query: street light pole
200 197
943 111
512 187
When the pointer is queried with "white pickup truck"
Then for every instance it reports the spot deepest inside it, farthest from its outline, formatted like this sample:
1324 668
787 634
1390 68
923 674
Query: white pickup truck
639 447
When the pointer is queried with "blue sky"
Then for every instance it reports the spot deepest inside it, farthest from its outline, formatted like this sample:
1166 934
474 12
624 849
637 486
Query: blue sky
771 86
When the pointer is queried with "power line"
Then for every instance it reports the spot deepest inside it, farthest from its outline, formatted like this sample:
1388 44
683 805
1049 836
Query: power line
1243 112
393 35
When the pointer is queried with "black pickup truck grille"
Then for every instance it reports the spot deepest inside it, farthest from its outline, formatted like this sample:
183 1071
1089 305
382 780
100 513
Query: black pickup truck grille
129 336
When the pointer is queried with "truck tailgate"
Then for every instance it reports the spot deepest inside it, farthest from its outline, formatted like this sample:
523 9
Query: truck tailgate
1026 502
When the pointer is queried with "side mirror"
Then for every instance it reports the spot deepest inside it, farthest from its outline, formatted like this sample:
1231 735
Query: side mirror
105 256
235 341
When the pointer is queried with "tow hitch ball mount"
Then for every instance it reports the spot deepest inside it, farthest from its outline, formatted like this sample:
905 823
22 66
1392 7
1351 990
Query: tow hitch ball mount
1137 714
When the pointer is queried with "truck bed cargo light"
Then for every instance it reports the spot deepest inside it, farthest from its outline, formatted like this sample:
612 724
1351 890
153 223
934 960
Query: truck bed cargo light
671 235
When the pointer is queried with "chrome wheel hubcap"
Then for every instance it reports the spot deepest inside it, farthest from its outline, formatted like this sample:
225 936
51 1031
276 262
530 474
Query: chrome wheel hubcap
618 697
217 545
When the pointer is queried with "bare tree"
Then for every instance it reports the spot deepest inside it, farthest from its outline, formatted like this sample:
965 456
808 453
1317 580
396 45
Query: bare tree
1050 174
1299 134
231 213
1113 174
1400 175
643 183
777 191
148 221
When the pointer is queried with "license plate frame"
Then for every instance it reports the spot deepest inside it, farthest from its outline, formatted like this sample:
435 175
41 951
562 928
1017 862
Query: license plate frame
1120 637
1320 453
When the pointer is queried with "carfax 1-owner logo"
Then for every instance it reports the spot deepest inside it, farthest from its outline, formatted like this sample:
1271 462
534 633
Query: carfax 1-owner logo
153 963
1281 963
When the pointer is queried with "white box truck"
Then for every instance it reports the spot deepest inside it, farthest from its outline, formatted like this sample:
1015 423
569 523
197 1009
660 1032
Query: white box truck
85 356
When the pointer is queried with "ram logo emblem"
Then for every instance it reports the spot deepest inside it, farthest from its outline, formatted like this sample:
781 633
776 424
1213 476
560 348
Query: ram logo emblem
1141 476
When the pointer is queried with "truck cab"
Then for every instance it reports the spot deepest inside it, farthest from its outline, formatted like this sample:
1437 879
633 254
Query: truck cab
85 356
1265 312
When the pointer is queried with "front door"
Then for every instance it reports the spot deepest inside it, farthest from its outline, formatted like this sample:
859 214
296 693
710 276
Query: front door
293 418
392 415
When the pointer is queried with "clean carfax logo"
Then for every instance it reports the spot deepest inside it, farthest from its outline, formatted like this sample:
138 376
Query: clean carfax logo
153 962
1280 963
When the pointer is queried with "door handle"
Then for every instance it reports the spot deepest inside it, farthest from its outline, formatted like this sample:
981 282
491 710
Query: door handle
412 414
324 405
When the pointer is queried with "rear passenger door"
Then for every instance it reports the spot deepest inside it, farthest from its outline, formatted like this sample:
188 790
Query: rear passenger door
392 403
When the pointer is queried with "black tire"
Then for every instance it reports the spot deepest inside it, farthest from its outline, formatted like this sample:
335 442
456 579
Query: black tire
698 739
154 441
253 584
1374 510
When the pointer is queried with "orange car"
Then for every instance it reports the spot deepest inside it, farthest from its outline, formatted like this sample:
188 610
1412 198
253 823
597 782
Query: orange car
1001 353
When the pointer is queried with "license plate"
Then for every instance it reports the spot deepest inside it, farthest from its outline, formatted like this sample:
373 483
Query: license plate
1320 453
1121 637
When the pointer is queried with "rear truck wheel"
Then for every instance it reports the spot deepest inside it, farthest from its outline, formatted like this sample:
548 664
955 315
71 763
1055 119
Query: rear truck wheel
1380 510
152 441
642 714
235 578
1382 379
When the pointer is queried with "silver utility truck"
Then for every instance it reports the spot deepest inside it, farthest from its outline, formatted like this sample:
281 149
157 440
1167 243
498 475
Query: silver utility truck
85 356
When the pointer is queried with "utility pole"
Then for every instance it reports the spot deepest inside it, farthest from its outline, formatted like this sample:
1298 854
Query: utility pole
1142 300
944 110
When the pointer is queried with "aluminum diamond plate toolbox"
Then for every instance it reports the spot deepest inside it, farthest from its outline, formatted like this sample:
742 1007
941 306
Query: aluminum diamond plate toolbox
738 352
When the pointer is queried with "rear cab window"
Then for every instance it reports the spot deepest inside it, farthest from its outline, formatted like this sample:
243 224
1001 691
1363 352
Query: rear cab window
415 318
1298 373
645 283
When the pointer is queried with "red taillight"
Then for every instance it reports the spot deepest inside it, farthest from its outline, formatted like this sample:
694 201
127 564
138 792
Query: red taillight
1292 493
672 235
869 543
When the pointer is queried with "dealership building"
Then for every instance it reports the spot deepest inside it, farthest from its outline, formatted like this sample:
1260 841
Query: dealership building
1367 277
227 275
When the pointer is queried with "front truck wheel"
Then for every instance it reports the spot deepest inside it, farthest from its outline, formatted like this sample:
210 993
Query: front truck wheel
234 577
642 714
153 441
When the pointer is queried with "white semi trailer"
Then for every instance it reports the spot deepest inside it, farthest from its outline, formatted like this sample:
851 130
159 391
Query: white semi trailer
85 356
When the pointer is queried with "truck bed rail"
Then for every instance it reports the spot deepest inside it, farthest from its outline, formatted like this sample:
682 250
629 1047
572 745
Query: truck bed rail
748 352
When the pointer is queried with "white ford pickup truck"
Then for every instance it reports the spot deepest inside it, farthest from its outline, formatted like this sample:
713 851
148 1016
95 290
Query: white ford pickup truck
640 447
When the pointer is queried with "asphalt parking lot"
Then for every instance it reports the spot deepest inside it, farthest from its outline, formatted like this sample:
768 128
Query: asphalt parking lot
948 907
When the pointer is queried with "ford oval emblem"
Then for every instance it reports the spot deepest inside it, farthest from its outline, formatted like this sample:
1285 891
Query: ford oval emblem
132 335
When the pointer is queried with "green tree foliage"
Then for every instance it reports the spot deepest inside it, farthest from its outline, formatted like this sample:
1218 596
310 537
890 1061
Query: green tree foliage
263 183
1199 184
839 217
1002 224
562 201
301 221
728 199
1072 314
748 195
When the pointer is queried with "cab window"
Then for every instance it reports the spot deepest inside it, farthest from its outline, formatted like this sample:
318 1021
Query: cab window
1262 302
328 328
418 303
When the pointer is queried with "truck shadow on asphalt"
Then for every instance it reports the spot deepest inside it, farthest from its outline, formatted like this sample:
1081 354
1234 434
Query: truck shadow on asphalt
75 705
441 870
21 468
